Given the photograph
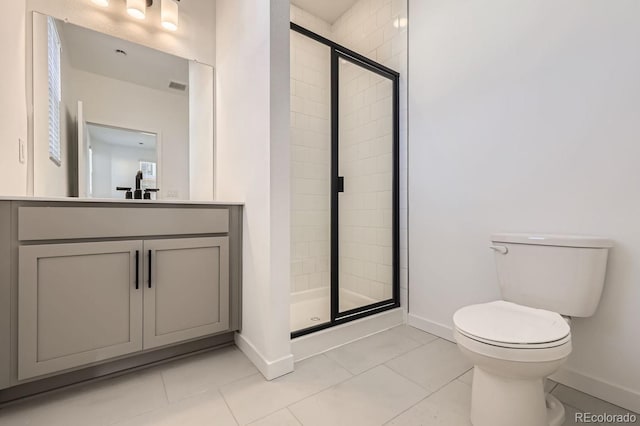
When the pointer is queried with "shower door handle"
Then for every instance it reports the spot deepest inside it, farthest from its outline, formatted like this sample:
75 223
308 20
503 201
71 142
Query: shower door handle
340 184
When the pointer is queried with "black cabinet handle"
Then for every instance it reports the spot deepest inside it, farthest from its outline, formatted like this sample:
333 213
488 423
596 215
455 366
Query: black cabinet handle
149 268
137 269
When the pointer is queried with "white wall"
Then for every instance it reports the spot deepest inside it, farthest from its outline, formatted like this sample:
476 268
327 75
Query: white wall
524 117
13 105
126 105
252 165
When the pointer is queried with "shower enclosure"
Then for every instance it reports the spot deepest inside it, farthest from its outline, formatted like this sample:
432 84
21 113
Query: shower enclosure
345 184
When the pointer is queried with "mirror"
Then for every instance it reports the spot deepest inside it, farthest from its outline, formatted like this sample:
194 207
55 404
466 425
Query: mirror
106 108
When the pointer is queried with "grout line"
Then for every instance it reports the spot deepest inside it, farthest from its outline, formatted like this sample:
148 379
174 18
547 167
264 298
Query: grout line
138 415
385 362
277 411
164 385
426 397
265 416
421 386
351 376
228 407
420 345
406 409
294 416
411 338
458 378
430 393
216 386
410 350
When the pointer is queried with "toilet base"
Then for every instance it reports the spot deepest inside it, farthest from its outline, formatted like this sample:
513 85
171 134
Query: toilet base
555 411
506 401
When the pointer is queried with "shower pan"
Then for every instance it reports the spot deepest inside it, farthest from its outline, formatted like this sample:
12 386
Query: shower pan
345 184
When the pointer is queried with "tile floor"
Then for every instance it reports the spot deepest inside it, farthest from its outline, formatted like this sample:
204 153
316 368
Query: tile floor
398 377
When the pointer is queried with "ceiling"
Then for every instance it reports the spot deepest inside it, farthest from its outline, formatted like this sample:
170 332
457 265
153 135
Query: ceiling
327 10
95 52
121 137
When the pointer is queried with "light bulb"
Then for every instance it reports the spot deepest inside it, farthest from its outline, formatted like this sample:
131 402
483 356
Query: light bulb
103 3
136 8
400 22
169 15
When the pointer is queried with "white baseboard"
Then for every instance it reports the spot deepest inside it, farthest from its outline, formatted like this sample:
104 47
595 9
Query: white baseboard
615 394
269 369
618 395
432 327
324 340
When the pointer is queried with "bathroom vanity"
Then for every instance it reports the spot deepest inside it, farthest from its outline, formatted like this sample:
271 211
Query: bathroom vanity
93 287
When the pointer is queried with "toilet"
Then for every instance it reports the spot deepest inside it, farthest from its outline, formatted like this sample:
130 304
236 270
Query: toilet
516 342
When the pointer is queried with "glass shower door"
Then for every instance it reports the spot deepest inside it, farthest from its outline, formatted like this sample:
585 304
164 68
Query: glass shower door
344 184
364 160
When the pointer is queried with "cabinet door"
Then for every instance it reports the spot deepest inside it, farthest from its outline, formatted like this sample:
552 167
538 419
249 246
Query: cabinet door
78 304
186 293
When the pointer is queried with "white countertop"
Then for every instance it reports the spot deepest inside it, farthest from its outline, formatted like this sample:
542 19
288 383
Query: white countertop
119 200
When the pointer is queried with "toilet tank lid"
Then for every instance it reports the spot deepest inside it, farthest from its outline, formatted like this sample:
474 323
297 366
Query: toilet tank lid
559 240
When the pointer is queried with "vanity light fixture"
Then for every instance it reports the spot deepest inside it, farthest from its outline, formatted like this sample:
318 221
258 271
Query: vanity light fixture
169 14
138 8
168 11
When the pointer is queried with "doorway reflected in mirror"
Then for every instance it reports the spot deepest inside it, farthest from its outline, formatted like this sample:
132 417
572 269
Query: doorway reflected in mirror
115 157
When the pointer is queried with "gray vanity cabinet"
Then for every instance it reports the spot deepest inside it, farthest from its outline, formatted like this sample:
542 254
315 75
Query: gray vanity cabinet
83 302
91 288
78 304
186 292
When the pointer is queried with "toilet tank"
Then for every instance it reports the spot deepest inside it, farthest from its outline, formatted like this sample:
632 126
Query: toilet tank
559 273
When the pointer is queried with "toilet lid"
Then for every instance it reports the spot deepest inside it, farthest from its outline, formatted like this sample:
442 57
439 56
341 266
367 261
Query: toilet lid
506 322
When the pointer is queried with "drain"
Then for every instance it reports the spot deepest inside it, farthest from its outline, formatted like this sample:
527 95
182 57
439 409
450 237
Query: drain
315 318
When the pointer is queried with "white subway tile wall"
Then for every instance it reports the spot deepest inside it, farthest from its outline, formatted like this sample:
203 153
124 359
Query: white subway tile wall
376 29
311 163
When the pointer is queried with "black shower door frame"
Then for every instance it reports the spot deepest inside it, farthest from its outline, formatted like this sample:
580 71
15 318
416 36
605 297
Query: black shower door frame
340 52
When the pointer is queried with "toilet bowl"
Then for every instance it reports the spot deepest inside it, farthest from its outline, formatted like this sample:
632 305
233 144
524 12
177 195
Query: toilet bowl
515 343
511 362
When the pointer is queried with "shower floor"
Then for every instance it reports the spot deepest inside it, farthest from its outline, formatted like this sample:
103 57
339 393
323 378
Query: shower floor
313 307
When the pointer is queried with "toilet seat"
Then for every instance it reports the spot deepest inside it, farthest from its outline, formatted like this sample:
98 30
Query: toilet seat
509 325
512 332
542 354
516 345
